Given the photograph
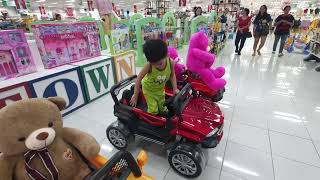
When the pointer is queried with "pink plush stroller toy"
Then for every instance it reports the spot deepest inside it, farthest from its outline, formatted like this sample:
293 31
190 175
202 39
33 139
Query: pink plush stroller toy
199 61
179 68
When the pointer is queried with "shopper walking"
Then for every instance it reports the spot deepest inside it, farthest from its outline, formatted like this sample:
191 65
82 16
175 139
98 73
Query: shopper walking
283 23
197 12
243 24
224 23
262 25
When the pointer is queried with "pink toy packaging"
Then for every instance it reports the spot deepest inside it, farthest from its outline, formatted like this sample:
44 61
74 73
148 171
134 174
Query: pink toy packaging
199 61
15 55
179 68
65 43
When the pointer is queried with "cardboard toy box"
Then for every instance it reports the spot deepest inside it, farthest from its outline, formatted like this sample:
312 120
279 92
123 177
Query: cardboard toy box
65 43
15 54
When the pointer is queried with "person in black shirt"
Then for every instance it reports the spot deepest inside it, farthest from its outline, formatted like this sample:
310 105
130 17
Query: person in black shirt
283 23
261 29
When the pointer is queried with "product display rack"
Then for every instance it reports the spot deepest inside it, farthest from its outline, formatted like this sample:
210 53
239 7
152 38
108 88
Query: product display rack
234 4
314 44
162 6
133 35
147 28
169 23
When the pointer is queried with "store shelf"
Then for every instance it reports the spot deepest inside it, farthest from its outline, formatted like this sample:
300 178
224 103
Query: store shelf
46 72
315 41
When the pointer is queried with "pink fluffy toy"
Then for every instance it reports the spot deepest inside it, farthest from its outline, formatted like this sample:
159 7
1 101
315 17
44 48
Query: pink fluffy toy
199 61
179 68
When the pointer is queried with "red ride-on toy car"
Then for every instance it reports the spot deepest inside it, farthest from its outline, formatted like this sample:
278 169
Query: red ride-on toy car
198 85
194 122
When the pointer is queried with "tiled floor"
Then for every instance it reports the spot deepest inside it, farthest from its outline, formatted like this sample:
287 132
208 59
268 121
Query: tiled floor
272 114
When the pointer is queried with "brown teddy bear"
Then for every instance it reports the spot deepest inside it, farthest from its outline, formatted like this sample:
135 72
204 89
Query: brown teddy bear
35 145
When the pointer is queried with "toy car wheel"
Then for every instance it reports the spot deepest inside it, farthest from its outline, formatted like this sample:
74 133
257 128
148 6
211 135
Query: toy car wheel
186 160
118 135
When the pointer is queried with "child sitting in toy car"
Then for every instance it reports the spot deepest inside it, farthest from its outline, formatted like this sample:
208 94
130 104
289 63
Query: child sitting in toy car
153 77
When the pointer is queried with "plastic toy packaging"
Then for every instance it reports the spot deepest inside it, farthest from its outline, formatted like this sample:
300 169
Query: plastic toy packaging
64 43
152 32
120 38
15 55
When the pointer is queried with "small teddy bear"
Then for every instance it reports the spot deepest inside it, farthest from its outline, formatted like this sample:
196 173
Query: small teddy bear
179 68
35 145
199 61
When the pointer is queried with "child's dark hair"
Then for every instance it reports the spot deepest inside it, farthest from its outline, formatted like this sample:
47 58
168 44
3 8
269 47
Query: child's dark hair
155 50
247 11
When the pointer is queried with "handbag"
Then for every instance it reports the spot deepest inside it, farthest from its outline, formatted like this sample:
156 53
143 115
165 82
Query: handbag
248 34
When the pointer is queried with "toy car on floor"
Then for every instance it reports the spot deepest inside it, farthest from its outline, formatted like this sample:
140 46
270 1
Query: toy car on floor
121 166
198 85
194 122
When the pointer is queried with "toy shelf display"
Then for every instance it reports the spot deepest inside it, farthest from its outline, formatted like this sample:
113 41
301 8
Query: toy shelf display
162 7
314 43
169 23
132 24
147 28
15 55
64 43
120 37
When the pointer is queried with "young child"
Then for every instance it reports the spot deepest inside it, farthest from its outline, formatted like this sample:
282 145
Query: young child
153 77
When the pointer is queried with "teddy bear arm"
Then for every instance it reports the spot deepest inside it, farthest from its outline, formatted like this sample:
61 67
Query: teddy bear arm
204 56
84 142
7 168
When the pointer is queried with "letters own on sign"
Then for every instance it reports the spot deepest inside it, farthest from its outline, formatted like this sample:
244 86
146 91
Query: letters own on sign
124 65
14 93
98 78
65 84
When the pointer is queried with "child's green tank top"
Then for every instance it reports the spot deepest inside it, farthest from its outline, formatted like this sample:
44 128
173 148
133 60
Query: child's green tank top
156 79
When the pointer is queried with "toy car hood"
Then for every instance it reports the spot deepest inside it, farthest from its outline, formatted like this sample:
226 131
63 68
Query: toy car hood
202 115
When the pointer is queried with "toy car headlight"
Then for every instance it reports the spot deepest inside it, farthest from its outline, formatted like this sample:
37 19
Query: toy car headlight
214 131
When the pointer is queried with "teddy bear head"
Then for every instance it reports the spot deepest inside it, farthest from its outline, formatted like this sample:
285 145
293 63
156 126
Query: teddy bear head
30 124
173 54
199 40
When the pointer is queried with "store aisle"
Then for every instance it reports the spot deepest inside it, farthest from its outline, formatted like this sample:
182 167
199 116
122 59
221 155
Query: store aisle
272 121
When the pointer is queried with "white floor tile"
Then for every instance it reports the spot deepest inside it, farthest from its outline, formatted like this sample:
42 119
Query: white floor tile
249 136
209 173
216 154
313 128
290 124
247 163
227 176
252 118
294 148
290 170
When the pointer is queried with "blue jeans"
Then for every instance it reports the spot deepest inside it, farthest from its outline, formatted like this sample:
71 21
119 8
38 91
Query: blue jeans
282 42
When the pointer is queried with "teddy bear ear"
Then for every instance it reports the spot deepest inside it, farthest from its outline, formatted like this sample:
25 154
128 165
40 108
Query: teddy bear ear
58 101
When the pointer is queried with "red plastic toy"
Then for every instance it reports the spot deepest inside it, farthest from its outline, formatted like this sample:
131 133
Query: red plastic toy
194 122
199 86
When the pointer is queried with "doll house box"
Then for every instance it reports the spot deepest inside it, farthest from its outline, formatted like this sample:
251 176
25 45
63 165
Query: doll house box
15 55
64 43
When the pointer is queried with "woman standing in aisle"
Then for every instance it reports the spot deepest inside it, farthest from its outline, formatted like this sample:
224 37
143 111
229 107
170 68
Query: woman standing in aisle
197 11
283 23
243 24
261 29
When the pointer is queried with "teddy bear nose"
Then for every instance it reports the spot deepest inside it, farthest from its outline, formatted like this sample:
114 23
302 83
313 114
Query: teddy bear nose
42 136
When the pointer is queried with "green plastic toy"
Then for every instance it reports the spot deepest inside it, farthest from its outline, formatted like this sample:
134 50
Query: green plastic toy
196 22
132 23
139 25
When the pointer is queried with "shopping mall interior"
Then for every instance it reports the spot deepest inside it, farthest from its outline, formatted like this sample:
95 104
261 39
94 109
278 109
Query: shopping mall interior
159 89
